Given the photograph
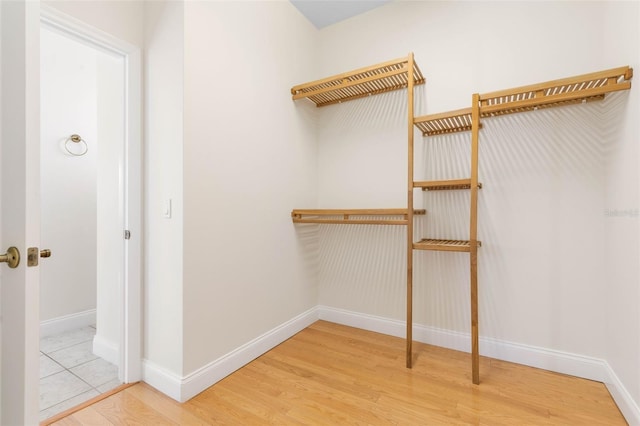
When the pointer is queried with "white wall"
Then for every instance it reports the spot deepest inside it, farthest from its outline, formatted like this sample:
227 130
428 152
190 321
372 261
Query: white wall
164 251
532 288
622 289
68 184
197 148
249 159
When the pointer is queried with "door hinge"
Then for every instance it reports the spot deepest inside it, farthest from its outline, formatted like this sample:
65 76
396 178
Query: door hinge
127 234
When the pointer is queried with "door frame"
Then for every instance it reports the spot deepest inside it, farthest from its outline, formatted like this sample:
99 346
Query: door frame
131 289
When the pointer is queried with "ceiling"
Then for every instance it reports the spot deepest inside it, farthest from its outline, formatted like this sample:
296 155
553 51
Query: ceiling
323 13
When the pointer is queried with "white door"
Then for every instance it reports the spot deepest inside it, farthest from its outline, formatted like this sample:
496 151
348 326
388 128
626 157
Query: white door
20 210
20 203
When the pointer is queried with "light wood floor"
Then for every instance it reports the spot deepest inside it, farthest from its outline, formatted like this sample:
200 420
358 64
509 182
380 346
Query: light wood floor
330 374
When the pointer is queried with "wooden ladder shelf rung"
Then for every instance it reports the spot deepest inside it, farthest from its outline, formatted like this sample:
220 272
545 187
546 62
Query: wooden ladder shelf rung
443 245
443 123
442 185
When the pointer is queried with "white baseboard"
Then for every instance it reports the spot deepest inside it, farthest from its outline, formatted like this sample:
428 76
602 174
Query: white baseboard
106 349
185 388
547 359
165 381
67 322
561 362
628 407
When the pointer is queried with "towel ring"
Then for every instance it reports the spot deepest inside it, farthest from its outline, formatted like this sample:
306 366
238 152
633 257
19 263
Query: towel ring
76 139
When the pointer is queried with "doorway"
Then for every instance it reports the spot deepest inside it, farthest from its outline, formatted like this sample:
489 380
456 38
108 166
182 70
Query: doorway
90 187
82 134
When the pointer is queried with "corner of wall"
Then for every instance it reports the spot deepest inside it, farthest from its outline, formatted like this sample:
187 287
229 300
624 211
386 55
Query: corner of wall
620 394
622 245
183 388
163 164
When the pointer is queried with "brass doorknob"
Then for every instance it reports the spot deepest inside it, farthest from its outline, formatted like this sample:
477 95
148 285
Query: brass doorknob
45 253
12 257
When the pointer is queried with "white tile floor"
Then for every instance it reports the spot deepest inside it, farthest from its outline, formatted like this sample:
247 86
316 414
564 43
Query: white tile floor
70 373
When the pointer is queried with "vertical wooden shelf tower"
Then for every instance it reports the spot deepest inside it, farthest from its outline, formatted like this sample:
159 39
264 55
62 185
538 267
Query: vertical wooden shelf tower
404 73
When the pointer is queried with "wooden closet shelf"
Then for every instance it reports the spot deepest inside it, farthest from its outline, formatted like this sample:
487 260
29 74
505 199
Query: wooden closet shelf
567 91
443 245
443 123
341 216
442 185
372 80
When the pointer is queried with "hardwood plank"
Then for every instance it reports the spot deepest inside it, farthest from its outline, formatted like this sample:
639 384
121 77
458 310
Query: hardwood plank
263 393
70 420
122 408
216 406
333 374
87 403
169 408
334 395
86 416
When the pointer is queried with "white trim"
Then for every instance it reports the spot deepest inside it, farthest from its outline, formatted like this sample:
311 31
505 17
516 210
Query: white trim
547 359
533 356
132 303
80 30
184 388
368 322
131 291
64 323
164 380
106 349
628 407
